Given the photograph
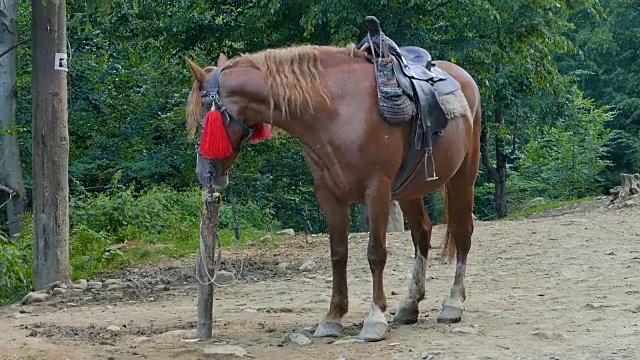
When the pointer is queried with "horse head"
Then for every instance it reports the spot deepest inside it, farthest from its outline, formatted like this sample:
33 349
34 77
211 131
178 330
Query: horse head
219 134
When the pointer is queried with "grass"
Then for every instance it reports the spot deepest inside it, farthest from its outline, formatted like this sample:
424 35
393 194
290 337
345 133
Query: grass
546 205
149 249
137 252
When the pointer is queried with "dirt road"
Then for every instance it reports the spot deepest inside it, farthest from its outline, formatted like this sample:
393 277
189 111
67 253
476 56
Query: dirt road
558 286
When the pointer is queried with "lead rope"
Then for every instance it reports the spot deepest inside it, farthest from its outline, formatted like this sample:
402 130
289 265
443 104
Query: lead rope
202 258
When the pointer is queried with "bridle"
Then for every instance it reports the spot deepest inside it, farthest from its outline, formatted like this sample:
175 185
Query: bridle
212 103
210 93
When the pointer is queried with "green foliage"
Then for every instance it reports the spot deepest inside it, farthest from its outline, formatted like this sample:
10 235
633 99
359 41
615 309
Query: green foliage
15 268
124 213
153 223
274 176
565 161
89 251
607 69
483 204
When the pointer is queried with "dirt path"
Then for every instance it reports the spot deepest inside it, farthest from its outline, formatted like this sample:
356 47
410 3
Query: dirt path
566 286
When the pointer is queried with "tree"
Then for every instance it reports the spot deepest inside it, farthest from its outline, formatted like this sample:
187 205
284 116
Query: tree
608 70
50 143
564 161
11 177
509 46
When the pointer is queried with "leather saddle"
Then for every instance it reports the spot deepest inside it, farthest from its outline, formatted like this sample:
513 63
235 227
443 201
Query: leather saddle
424 83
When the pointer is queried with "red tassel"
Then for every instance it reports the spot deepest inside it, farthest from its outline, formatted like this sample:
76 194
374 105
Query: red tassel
260 132
215 143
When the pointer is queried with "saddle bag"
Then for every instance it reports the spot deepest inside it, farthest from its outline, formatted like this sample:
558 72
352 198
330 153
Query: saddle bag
395 106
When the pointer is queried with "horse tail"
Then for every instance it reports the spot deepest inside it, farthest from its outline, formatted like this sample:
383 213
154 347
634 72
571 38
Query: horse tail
449 243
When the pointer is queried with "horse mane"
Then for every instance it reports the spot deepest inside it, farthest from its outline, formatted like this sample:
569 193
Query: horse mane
292 75
195 112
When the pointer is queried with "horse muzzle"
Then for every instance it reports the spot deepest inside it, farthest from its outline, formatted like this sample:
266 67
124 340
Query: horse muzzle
209 176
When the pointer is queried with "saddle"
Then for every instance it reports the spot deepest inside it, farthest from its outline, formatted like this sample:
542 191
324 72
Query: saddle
421 83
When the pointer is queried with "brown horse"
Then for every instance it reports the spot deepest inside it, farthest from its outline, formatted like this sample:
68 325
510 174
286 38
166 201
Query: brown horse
326 97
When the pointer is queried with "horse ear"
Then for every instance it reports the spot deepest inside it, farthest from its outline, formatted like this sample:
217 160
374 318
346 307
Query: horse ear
222 59
197 71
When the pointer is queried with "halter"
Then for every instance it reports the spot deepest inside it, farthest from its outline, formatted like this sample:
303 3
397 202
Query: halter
211 94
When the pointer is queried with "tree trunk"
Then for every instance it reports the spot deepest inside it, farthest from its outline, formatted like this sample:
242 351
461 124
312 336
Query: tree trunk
498 173
500 197
364 218
627 193
50 144
396 219
10 171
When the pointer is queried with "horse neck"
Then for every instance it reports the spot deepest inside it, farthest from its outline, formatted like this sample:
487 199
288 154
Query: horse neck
245 94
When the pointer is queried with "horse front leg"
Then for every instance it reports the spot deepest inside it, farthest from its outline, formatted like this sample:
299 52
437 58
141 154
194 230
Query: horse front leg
337 217
378 206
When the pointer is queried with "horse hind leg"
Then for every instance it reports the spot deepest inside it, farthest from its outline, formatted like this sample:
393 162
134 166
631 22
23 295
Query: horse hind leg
459 198
421 227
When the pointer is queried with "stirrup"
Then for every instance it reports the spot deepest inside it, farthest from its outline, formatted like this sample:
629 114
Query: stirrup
429 155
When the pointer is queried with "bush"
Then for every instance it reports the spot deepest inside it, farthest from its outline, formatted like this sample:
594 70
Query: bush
565 161
159 215
15 268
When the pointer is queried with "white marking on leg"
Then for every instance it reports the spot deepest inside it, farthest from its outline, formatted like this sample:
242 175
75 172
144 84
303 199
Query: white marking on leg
458 284
375 325
418 280
375 314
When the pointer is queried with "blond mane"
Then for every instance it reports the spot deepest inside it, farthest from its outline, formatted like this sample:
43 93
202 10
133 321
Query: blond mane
293 79
195 112
292 75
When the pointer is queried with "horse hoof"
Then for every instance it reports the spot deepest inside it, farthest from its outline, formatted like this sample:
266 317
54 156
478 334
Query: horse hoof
450 314
328 329
373 331
406 316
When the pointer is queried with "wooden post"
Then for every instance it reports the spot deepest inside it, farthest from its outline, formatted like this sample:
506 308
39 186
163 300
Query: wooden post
50 143
208 221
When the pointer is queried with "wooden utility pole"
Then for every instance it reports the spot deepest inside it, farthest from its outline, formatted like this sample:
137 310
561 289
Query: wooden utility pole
50 143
